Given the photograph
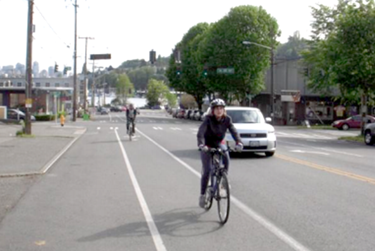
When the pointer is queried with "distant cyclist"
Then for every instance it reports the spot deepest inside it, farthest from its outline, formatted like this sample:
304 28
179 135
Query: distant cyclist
211 134
131 114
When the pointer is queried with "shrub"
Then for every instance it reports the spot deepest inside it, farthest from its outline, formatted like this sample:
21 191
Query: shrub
44 117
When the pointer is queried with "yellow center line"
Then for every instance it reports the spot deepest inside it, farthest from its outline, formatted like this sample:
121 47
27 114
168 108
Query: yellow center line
327 169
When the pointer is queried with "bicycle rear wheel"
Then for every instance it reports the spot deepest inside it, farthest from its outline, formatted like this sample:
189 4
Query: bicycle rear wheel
223 198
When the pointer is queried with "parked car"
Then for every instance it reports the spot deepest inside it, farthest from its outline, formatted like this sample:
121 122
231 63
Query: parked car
198 115
156 107
256 134
102 110
352 122
116 109
181 114
175 113
17 115
188 114
370 134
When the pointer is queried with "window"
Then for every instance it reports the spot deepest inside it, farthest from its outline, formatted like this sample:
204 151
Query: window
19 84
48 85
1 84
57 85
66 84
37 85
245 116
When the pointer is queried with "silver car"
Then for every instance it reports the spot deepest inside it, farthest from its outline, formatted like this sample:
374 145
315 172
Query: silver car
255 133
370 134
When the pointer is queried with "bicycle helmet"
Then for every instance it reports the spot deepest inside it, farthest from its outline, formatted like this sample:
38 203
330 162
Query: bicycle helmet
217 102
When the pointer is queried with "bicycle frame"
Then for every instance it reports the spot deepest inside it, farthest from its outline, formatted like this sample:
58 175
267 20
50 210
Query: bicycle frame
216 168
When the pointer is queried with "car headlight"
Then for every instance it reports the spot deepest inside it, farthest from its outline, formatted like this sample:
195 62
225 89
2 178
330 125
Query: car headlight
271 131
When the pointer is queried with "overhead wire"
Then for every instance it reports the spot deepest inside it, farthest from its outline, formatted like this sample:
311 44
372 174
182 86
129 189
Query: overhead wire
51 27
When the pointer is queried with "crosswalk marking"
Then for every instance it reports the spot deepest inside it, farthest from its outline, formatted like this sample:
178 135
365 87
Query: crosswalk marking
157 128
176 129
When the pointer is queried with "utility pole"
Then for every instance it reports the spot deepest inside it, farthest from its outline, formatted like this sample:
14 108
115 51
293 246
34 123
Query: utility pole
272 86
93 92
86 79
75 66
29 79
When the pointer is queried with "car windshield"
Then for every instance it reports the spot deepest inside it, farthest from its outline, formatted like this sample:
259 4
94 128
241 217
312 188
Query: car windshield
245 116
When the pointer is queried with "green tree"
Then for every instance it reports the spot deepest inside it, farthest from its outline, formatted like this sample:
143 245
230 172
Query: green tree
172 99
141 76
292 48
192 80
223 47
124 88
342 52
156 92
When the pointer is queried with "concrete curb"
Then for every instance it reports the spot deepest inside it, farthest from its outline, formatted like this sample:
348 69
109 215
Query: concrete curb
49 164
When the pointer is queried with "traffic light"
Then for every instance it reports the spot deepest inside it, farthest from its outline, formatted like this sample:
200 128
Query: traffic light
65 70
152 56
56 68
178 71
205 71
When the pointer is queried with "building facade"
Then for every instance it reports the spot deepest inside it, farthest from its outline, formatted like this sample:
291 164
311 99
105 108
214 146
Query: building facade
293 101
49 94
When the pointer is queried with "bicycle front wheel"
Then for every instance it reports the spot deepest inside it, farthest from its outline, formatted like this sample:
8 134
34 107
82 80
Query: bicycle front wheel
223 198
208 196
130 132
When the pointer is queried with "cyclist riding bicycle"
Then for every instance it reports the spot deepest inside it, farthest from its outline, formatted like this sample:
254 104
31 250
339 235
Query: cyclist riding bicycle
131 114
211 134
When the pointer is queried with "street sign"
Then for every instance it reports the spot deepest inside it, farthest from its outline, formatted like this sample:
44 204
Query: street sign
100 56
56 94
228 70
29 103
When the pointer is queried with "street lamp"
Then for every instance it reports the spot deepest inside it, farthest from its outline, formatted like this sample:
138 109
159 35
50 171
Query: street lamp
272 84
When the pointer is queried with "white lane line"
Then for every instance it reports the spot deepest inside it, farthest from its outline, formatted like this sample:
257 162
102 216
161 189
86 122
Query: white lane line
281 133
324 149
176 129
98 128
247 210
309 152
146 211
110 117
80 132
194 129
322 137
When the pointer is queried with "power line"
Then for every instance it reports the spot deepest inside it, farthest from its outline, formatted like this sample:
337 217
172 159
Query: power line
51 27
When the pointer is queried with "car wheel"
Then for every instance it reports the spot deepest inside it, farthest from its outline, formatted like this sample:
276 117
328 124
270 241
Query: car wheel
345 127
369 140
269 154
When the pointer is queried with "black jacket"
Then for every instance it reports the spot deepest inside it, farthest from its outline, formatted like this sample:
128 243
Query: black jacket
212 132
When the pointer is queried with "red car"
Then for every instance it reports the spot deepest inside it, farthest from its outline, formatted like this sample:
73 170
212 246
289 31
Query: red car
181 114
352 122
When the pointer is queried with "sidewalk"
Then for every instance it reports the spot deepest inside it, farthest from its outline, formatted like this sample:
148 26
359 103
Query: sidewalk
30 156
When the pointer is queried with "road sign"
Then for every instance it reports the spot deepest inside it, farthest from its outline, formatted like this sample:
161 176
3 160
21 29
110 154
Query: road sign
100 56
56 94
228 70
29 103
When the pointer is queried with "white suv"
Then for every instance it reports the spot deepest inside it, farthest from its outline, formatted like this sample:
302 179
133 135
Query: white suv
255 133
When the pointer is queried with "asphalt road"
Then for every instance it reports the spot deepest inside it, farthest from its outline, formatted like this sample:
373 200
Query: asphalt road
106 193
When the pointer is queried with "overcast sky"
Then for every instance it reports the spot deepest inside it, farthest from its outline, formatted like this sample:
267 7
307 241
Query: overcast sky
126 29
